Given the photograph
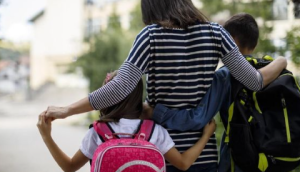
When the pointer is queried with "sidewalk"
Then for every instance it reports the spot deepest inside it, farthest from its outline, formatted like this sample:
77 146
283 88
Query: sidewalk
21 147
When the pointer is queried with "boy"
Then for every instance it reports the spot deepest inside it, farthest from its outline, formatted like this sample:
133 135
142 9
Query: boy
244 30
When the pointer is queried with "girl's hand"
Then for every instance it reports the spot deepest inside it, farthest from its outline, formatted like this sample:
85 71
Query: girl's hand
210 128
44 125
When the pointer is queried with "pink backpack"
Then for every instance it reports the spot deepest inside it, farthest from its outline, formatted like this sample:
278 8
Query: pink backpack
135 154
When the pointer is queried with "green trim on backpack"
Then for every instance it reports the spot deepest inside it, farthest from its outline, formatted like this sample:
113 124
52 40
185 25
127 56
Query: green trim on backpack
268 58
294 79
256 103
232 164
286 119
242 102
262 162
250 119
287 159
230 112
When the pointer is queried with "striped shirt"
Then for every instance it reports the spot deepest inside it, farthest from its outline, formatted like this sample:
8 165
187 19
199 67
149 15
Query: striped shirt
180 65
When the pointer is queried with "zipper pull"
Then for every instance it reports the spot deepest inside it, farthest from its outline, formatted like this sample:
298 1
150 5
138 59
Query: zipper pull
272 159
283 102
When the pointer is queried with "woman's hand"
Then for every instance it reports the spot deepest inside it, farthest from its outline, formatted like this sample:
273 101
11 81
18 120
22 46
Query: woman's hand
44 126
57 112
210 128
78 107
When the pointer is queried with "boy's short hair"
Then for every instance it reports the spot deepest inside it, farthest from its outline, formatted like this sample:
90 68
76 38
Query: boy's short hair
244 29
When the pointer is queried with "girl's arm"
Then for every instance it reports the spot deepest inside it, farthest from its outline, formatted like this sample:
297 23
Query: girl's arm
66 163
185 160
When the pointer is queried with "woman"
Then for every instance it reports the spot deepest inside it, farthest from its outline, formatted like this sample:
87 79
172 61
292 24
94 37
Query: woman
179 51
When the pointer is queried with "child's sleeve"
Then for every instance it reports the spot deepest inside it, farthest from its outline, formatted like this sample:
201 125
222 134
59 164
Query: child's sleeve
181 120
90 143
162 140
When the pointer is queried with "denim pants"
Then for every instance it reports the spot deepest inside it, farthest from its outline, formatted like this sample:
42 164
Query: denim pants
216 99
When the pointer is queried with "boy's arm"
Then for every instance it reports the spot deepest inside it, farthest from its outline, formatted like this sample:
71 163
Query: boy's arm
185 160
66 163
196 118
181 120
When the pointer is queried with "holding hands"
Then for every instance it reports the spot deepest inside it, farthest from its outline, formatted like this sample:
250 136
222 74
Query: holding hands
44 125
57 112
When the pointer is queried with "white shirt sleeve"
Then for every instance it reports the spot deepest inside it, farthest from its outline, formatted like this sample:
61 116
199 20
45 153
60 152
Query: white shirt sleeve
161 139
90 143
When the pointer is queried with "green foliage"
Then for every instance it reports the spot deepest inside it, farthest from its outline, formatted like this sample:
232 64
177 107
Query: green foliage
293 44
114 23
107 50
136 22
258 9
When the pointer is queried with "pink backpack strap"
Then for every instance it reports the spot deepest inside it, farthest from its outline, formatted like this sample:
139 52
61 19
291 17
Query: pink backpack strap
146 130
104 130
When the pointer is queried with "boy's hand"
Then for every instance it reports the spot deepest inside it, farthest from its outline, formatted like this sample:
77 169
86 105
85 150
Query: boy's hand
44 125
210 128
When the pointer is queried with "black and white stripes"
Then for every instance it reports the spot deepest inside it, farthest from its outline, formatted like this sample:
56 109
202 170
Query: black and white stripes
180 64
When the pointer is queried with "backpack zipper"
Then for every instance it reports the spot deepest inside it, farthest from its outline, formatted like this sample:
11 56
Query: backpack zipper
286 119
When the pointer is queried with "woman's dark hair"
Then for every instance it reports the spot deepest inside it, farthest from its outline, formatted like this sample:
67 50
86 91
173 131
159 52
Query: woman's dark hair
131 106
171 13
243 28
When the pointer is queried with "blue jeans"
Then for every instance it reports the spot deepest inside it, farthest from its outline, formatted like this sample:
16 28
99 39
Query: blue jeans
217 99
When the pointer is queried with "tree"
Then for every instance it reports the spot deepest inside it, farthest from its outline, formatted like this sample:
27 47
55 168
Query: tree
106 52
293 44
136 22
259 9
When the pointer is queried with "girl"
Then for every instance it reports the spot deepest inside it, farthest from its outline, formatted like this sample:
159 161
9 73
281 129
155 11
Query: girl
179 50
123 118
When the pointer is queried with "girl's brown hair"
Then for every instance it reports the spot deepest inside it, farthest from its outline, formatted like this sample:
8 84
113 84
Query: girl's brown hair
171 13
131 107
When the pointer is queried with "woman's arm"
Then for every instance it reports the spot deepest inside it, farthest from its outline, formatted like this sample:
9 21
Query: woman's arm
117 89
185 160
272 71
242 70
78 107
66 163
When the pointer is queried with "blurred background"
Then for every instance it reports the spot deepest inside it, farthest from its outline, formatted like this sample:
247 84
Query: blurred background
54 52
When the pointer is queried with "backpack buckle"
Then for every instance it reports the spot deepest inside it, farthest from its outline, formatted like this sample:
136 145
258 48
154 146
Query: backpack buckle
142 136
109 136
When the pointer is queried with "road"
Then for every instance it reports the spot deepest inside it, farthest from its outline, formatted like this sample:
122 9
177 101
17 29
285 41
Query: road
21 147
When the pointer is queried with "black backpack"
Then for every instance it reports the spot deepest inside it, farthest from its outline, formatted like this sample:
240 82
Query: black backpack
263 131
